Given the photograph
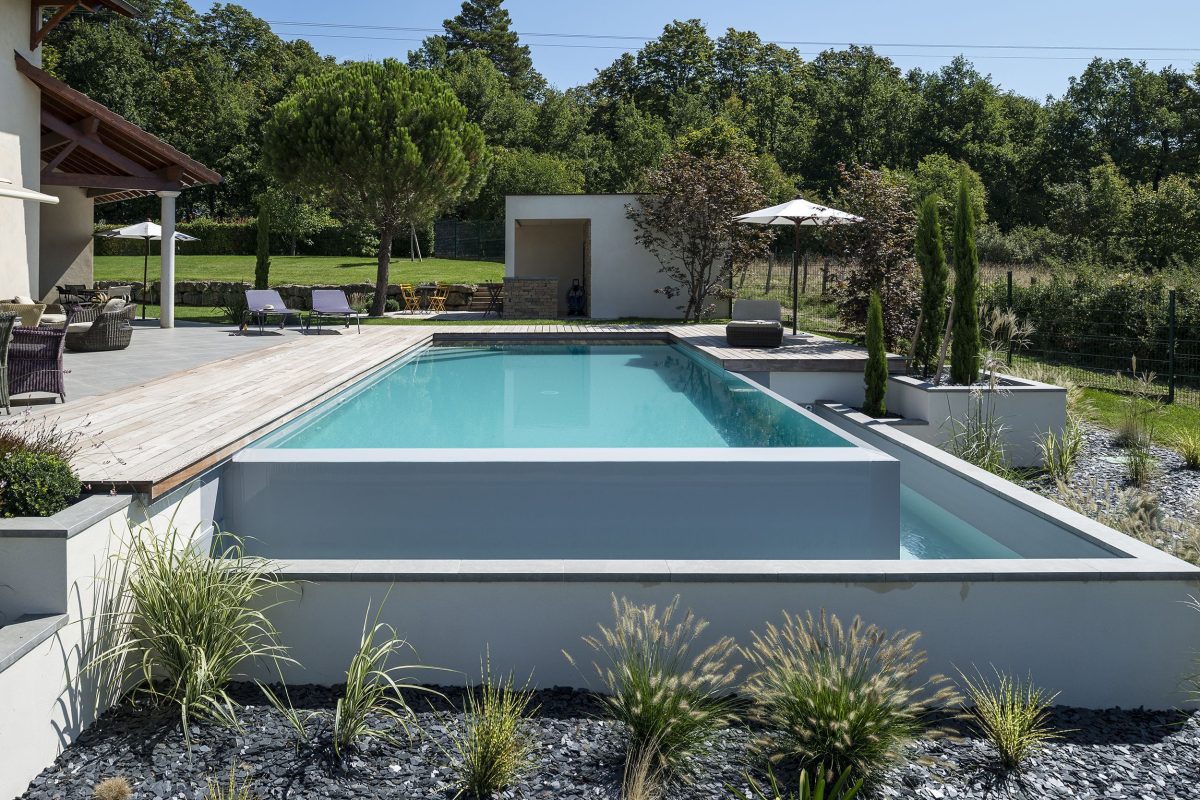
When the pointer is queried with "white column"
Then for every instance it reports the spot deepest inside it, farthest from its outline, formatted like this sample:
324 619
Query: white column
166 298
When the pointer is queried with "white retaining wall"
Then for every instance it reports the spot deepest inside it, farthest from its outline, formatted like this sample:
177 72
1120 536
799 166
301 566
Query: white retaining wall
51 570
1027 409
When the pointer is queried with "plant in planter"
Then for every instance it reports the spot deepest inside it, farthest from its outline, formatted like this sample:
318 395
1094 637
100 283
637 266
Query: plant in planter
965 345
931 256
876 370
36 477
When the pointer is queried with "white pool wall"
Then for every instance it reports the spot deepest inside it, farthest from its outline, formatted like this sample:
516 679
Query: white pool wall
566 503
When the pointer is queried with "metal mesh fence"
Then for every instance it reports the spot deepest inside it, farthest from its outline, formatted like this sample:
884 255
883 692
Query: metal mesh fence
481 240
1107 342
772 280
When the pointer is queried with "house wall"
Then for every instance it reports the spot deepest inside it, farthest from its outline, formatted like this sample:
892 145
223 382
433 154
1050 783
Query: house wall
20 140
66 240
624 274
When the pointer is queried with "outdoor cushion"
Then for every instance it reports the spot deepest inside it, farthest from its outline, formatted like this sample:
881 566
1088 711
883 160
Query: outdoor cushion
30 313
754 333
756 309
79 327
23 300
115 304
53 319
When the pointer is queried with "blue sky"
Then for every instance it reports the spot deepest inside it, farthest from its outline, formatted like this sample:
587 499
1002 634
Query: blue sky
1089 24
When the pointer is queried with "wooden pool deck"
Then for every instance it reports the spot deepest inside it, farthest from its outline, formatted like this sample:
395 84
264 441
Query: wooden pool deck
155 436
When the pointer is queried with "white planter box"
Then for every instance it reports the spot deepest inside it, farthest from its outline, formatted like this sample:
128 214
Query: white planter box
1027 409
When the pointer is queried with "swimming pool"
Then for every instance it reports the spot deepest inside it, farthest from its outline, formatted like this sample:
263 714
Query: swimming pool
553 396
594 451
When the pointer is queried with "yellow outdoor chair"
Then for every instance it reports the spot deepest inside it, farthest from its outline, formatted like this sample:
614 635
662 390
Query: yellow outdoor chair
437 300
411 301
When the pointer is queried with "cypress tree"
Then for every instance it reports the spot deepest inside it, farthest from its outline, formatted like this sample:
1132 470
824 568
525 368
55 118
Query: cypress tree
877 373
262 260
965 344
934 276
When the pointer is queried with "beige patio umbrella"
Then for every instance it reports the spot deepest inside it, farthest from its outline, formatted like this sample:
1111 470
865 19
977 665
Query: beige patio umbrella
150 232
796 213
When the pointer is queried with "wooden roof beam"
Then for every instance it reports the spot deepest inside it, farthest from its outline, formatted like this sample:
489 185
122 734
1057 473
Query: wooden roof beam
92 143
39 26
107 184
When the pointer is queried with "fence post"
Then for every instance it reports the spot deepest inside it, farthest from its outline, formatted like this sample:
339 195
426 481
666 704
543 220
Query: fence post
1171 346
1010 308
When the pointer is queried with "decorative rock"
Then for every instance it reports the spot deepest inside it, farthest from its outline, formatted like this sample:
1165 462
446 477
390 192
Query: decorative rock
579 755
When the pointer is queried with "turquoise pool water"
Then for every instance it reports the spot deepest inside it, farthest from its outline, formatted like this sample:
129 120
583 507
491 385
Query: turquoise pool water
512 396
928 531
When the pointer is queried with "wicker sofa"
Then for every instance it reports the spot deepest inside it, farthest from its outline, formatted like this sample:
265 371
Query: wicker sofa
102 328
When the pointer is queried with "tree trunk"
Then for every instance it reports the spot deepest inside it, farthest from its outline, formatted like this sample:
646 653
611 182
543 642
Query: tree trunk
381 276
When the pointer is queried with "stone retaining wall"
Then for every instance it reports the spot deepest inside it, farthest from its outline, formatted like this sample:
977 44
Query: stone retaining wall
233 293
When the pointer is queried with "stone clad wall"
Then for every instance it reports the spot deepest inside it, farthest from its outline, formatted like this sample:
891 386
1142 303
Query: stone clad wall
530 298
229 293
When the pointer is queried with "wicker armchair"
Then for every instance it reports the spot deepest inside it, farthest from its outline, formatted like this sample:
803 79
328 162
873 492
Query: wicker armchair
8 323
35 361
109 330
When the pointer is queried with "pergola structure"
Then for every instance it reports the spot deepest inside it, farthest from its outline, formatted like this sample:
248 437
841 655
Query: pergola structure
88 146
40 24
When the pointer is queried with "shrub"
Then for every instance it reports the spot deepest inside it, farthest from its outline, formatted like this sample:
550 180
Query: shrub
876 370
492 751
39 435
1188 445
671 696
189 621
1010 713
965 344
35 484
392 305
112 789
841 789
838 698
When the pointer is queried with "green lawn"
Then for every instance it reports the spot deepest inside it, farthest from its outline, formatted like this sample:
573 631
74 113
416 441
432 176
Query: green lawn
216 315
1105 408
301 269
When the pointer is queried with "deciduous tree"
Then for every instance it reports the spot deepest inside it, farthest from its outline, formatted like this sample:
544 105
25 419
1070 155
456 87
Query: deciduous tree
685 218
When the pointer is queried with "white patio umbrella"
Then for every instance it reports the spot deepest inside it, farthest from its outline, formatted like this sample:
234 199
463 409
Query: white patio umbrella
150 232
796 213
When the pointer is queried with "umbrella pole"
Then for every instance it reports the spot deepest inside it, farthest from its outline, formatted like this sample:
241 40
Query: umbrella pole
795 271
145 273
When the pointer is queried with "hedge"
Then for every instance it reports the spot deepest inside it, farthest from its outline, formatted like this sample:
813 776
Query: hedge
239 238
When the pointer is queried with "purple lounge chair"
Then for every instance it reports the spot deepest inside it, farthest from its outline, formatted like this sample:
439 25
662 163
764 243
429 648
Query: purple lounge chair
332 303
263 303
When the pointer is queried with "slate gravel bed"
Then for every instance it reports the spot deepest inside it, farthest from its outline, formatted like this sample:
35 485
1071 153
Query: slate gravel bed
1132 754
1102 462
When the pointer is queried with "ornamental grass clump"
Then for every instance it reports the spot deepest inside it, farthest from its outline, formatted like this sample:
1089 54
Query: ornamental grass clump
112 789
1061 451
230 788
187 622
1012 714
836 698
842 789
494 749
672 693
1188 445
